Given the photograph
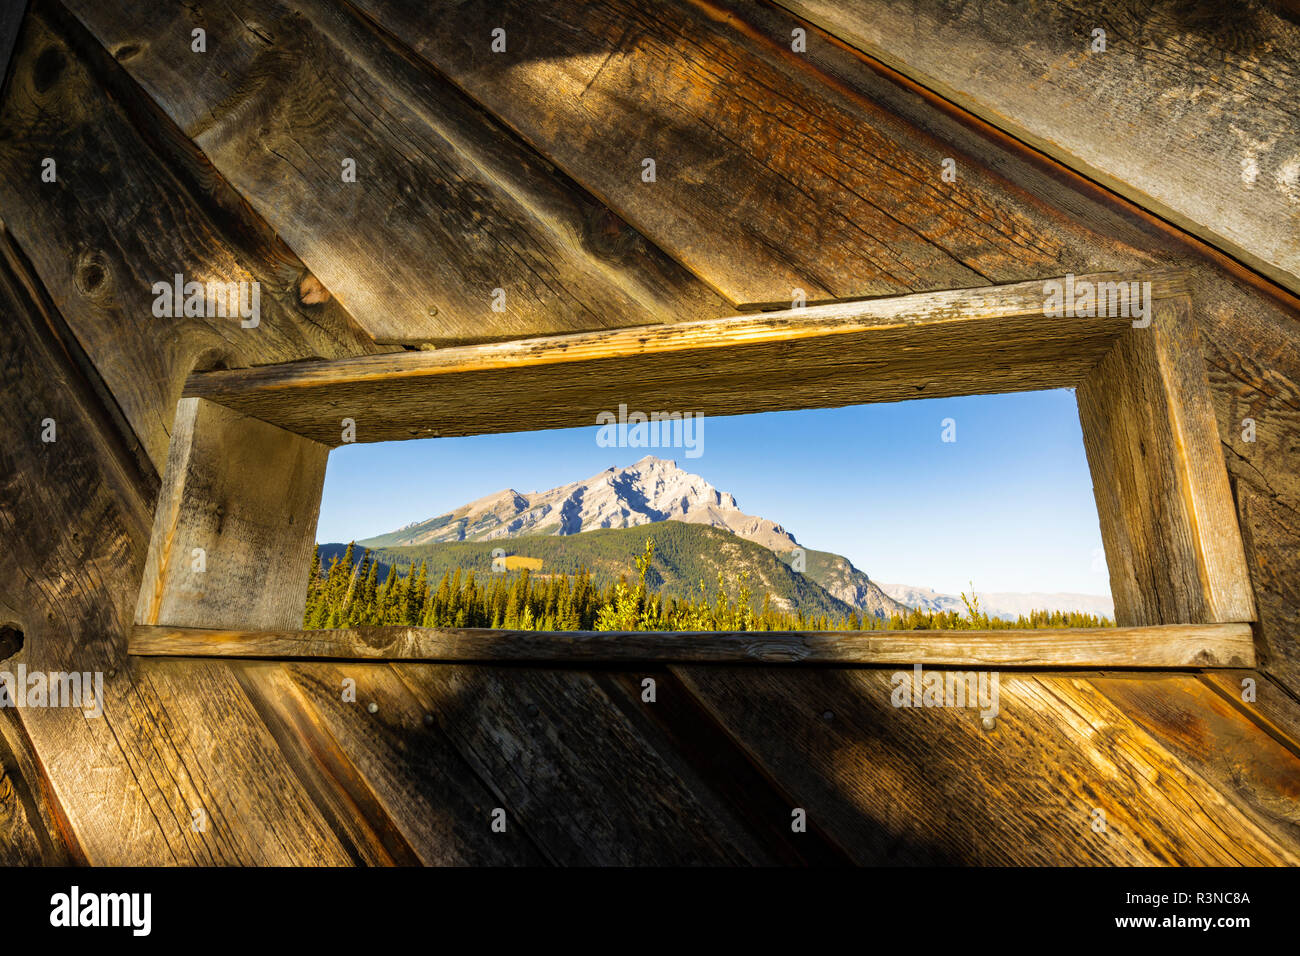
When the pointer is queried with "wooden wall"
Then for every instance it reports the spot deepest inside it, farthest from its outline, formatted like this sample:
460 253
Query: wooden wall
522 170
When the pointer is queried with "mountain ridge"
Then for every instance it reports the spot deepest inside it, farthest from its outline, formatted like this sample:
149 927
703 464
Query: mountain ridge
1003 604
650 490
686 556
655 490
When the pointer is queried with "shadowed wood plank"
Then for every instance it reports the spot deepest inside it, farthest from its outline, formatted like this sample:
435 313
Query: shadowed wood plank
926 345
11 18
1270 526
431 794
1205 645
928 785
447 206
335 784
1191 110
1167 516
573 771
687 736
33 828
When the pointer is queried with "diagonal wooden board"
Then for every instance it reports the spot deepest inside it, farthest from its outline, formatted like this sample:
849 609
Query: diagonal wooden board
1191 110
932 344
445 228
1072 773
767 178
133 204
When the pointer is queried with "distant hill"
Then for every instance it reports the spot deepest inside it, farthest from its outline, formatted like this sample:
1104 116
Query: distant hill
602 522
685 554
1004 604
842 580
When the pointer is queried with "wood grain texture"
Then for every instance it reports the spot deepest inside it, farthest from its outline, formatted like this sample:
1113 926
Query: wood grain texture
358 819
1167 516
930 786
173 737
134 204
222 760
687 736
766 178
33 829
436 800
447 206
1271 528
926 345
1268 703
234 530
1263 778
573 771
1203 645
1191 111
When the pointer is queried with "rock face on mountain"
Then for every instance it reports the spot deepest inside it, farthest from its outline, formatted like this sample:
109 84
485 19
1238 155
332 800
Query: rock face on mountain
653 489
838 576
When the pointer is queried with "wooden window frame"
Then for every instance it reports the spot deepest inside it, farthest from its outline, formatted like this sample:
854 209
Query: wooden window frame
246 466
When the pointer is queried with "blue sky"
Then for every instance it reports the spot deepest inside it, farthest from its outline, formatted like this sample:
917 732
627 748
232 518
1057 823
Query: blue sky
1008 505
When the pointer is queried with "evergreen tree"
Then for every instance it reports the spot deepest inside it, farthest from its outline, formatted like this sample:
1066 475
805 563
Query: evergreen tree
347 595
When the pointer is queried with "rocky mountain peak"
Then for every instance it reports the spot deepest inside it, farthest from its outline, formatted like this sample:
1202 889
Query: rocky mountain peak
651 489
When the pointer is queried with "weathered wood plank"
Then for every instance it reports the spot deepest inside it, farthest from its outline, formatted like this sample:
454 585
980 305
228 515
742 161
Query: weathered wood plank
33 829
1167 516
1195 645
1263 699
573 771
766 178
225 793
447 206
1263 778
135 203
234 528
1270 523
928 785
423 785
688 736
173 739
926 345
1191 110
336 786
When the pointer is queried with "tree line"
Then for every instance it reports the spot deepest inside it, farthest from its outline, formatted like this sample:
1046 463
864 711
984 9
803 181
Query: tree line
349 594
